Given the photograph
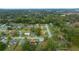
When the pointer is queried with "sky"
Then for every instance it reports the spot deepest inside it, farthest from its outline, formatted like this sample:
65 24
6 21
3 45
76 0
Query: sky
23 4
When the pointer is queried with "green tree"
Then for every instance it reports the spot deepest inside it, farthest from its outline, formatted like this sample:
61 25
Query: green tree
2 46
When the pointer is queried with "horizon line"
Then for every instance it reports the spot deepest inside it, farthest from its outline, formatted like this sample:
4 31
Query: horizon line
39 8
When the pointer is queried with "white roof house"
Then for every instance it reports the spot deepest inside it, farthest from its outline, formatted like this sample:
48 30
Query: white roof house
27 33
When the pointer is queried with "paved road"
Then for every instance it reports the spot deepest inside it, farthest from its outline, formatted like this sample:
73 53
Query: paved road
21 40
48 30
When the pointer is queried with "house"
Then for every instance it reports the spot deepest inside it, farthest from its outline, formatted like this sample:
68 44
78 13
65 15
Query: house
33 42
35 39
27 33
63 15
12 32
3 27
4 39
13 42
